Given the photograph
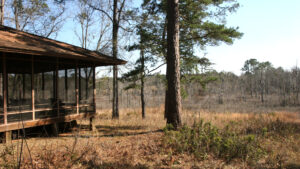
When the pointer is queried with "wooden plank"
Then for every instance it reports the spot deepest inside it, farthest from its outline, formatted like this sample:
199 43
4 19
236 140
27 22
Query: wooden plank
41 122
107 60
86 83
67 62
32 89
8 137
66 85
76 89
94 88
19 112
24 86
79 84
56 86
43 85
48 109
4 89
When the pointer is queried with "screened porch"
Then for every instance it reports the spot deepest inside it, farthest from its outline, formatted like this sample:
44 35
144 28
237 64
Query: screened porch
43 81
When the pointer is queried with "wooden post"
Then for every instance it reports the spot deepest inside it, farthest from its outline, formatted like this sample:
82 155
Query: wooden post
56 86
24 86
76 89
8 134
94 88
32 89
79 83
43 85
66 85
86 84
4 89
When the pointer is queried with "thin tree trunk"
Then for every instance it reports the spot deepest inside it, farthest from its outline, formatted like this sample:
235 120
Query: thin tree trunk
2 12
16 12
115 106
261 87
173 107
142 82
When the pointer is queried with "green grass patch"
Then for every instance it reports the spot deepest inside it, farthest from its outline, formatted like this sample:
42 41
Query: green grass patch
203 139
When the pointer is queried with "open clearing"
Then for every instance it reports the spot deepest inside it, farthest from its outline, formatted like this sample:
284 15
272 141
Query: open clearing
135 143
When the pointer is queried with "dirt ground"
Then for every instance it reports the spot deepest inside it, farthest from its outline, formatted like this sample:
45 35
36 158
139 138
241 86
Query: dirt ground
132 142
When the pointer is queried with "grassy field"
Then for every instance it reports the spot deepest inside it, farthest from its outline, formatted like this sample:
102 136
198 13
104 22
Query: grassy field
132 142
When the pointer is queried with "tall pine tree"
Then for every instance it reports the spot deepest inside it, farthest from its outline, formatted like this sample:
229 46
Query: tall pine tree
202 23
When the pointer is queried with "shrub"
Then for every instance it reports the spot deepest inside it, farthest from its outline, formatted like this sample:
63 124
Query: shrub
203 138
7 157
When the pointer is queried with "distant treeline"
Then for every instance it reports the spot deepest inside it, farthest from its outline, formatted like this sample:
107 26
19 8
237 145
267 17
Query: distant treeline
259 84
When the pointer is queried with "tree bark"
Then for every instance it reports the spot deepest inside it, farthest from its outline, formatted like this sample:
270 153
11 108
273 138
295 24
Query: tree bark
165 55
173 107
115 106
2 12
16 12
142 82
261 87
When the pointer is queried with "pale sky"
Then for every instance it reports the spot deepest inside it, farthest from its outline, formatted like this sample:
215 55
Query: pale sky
271 33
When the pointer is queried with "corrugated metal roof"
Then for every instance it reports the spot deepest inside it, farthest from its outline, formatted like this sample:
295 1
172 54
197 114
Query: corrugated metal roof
15 41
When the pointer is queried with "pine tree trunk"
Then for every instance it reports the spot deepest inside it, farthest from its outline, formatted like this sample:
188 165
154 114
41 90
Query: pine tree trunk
165 55
115 106
166 96
173 104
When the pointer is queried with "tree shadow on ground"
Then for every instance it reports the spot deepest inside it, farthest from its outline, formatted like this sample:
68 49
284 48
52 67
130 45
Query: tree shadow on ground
83 131
107 127
111 131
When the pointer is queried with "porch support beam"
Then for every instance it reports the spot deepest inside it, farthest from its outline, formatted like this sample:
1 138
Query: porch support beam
94 88
76 89
32 89
4 88
8 134
56 87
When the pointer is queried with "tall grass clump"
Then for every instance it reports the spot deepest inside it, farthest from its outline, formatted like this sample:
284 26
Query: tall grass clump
203 139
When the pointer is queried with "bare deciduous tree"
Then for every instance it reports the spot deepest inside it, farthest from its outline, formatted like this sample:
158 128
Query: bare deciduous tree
115 18
41 17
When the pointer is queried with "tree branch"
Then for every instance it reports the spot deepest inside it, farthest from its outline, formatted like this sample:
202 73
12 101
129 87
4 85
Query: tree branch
120 11
156 68
101 10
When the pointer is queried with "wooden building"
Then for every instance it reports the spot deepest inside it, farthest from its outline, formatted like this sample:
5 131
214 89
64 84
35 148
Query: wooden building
43 81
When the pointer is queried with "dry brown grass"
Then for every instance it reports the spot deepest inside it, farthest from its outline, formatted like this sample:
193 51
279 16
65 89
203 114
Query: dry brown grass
132 142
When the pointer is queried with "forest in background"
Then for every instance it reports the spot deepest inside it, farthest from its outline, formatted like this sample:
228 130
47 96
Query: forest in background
259 85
